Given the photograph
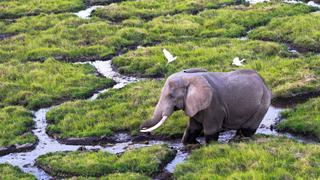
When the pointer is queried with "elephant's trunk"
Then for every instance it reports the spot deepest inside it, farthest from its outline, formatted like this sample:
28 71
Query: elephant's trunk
160 115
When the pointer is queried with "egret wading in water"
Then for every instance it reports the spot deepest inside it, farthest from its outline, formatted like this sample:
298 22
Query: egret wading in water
169 56
237 61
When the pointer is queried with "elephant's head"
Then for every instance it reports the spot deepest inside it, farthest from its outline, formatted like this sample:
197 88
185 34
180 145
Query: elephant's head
186 90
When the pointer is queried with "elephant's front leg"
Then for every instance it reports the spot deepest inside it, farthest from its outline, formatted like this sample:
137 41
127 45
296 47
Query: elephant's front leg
192 131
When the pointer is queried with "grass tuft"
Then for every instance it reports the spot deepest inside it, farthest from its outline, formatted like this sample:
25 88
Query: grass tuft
8 172
301 32
146 161
36 85
304 119
264 158
15 126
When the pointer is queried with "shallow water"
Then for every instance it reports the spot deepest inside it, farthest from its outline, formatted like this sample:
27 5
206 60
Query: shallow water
85 14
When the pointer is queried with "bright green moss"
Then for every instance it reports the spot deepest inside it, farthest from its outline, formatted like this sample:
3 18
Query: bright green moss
17 8
147 9
304 119
264 158
301 32
145 161
115 110
15 126
35 85
115 176
8 172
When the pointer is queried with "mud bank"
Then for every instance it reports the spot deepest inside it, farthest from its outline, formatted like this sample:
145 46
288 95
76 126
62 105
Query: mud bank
17 148
5 36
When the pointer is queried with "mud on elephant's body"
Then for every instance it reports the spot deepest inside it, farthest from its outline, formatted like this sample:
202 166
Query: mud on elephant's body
214 101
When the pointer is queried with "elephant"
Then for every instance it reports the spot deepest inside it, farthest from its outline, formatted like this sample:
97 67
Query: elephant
214 101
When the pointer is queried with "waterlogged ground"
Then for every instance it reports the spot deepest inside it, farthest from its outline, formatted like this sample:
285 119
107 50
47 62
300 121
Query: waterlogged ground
79 77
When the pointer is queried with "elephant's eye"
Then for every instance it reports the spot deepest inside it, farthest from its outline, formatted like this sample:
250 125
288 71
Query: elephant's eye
171 96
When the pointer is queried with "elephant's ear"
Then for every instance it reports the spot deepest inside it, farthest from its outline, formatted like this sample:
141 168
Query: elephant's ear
199 95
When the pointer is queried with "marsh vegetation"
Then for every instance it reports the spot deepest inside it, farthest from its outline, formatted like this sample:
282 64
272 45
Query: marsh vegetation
41 40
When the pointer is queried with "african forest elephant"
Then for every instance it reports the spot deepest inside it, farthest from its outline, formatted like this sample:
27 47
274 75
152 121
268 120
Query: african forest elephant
214 101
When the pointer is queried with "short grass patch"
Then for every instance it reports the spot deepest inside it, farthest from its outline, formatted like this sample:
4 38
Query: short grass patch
264 158
66 37
36 85
8 172
215 54
15 126
147 9
301 31
231 21
17 8
147 161
304 119
115 176
115 110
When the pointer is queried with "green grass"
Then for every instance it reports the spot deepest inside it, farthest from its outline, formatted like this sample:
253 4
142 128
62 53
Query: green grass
115 176
231 21
67 38
301 32
17 8
145 161
303 119
8 172
265 158
15 126
115 110
36 85
147 9
35 24
215 54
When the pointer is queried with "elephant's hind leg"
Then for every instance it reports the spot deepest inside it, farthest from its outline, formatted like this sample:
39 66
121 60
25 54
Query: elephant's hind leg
193 130
250 127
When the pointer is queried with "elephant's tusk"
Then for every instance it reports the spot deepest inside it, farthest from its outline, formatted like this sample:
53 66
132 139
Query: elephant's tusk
164 118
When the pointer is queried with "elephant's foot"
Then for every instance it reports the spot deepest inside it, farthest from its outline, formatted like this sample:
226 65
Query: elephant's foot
246 132
190 136
210 138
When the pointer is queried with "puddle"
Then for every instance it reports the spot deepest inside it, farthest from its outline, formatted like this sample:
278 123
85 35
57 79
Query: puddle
85 14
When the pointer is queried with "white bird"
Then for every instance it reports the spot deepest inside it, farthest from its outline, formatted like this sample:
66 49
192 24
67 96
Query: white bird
169 56
237 62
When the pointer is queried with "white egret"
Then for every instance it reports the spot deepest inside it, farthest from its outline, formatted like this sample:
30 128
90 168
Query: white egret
237 61
169 56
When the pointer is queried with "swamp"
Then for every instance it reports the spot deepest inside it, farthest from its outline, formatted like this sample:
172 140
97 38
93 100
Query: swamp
79 77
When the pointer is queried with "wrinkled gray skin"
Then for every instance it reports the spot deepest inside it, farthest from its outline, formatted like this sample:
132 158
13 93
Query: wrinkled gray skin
214 101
